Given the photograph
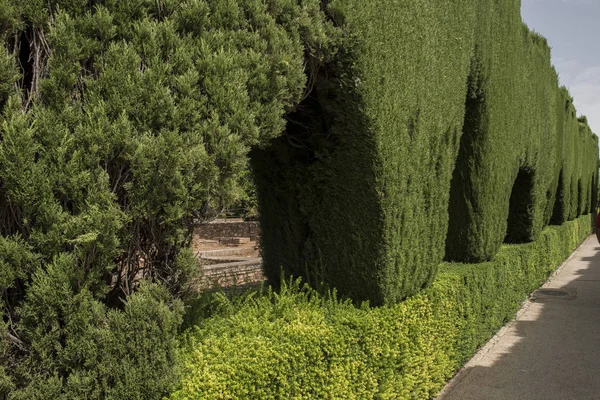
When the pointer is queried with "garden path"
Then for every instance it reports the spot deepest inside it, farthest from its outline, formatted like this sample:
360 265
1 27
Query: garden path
551 350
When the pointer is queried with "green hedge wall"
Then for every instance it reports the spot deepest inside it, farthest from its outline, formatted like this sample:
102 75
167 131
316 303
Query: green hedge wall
298 344
437 130
355 193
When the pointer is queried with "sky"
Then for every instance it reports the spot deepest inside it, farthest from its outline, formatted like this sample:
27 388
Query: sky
572 28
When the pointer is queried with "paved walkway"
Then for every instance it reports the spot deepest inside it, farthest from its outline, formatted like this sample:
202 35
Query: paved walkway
552 349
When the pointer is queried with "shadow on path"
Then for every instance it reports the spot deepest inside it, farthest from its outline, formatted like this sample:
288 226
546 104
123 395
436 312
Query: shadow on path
552 350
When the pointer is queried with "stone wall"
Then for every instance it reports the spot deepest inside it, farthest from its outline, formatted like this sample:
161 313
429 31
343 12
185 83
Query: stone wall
227 229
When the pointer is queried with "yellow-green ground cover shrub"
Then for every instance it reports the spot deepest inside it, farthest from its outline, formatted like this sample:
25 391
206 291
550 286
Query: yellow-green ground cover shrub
297 344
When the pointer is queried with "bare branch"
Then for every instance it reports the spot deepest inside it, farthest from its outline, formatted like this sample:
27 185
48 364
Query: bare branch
16 341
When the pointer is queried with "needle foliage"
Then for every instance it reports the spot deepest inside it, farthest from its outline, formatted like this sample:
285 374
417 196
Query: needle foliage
438 131
122 124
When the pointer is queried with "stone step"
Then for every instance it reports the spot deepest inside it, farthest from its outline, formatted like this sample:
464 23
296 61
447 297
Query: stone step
240 251
233 241
225 259
234 268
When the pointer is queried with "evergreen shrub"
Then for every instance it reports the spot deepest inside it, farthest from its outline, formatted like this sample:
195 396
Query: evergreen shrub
522 153
437 131
298 344
122 124
355 193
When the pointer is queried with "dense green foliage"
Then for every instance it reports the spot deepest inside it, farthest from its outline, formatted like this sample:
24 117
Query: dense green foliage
360 192
359 198
298 344
521 138
122 123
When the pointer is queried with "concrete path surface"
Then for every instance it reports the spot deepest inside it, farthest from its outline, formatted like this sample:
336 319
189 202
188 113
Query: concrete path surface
551 350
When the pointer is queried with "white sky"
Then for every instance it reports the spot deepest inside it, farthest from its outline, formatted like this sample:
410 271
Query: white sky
572 28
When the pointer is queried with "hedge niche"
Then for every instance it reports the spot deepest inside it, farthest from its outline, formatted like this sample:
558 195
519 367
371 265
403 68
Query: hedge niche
438 130
122 123
519 168
355 193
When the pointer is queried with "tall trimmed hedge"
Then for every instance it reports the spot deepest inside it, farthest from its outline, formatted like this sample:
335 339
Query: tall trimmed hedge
301 345
437 131
355 193
527 157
